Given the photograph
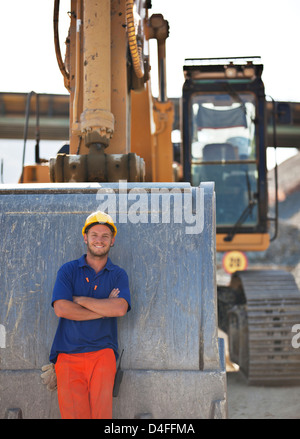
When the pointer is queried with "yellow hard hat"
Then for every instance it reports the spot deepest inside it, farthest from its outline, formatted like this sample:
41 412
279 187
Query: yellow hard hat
99 218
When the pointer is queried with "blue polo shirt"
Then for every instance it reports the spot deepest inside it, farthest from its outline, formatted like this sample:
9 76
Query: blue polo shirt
77 278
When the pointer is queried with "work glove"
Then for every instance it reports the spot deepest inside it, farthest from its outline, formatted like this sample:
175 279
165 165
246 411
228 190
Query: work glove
49 377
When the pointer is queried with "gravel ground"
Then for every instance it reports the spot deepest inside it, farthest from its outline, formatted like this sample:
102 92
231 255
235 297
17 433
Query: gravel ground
252 402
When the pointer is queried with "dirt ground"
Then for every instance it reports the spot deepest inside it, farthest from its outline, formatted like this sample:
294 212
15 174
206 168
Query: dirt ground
253 402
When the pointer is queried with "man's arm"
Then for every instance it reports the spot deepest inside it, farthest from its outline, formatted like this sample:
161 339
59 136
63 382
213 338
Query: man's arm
73 311
112 307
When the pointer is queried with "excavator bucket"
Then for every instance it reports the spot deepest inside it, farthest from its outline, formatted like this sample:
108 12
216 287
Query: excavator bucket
173 363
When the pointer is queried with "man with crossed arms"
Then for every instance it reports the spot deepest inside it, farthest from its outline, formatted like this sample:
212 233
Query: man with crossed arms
88 296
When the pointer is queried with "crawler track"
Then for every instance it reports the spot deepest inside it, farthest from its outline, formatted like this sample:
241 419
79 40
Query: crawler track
271 310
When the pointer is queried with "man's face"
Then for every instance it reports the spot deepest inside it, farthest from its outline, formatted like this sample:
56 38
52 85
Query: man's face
99 239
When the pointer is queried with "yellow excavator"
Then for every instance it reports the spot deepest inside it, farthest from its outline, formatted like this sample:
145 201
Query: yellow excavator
224 140
119 158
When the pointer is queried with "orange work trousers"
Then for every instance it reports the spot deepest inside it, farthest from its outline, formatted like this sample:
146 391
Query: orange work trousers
85 384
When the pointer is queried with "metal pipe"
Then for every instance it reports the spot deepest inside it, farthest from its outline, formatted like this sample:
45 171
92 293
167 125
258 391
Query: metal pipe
27 114
158 28
97 121
37 130
77 62
162 82
275 219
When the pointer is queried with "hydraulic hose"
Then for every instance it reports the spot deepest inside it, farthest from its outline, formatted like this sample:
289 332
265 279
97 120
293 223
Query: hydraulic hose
275 219
57 46
37 131
135 49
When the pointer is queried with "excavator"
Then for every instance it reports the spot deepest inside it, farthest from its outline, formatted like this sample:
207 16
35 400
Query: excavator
119 159
224 136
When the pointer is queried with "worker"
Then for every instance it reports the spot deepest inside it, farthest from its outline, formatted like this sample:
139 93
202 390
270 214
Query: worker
88 296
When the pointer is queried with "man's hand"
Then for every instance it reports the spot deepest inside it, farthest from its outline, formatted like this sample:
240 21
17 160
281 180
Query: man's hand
114 293
49 377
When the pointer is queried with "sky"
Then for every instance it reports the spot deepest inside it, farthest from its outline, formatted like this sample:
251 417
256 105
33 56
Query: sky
198 28
204 28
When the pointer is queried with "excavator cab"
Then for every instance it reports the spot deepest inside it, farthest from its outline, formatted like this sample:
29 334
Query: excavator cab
224 140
